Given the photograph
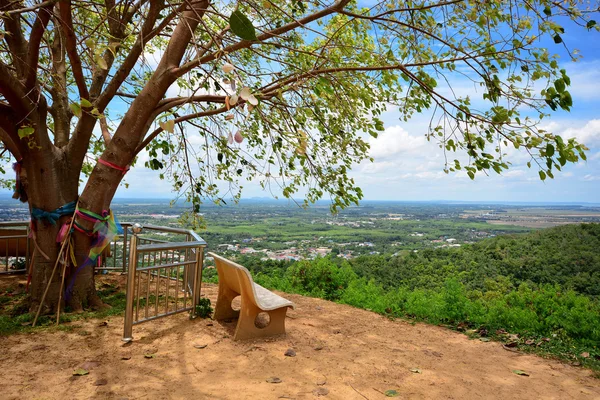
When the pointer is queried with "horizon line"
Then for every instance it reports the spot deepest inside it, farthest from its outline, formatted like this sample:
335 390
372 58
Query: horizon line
8 196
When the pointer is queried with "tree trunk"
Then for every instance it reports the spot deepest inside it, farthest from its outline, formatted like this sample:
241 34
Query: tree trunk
51 182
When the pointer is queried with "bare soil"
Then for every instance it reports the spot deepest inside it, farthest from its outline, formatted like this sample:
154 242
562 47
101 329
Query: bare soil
344 352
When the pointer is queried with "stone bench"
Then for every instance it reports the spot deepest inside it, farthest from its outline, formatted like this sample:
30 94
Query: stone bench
235 280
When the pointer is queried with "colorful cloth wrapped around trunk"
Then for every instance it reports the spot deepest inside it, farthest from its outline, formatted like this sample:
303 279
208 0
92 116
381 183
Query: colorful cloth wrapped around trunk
51 217
106 228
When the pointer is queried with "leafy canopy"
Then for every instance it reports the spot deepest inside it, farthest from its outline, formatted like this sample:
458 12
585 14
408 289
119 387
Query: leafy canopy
287 93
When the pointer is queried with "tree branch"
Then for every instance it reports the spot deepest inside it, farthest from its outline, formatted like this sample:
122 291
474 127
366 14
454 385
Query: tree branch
32 8
35 38
336 7
9 144
105 132
8 133
120 150
169 103
14 92
79 142
183 118
71 46
59 91
132 58
17 44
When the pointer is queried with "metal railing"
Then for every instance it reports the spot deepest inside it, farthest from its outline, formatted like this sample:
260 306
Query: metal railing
116 257
15 247
163 278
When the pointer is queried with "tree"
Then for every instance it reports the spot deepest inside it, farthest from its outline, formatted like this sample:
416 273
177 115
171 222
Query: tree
300 83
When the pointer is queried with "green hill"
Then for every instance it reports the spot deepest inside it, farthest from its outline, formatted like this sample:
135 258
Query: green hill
566 255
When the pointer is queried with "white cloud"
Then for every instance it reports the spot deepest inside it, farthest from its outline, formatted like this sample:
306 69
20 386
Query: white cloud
589 134
514 173
591 178
378 167
585 80
395 142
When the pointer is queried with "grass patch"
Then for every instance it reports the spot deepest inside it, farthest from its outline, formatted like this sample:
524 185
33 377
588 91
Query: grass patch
15 318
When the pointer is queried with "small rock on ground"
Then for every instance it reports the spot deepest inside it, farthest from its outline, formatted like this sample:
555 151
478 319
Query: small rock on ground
290 353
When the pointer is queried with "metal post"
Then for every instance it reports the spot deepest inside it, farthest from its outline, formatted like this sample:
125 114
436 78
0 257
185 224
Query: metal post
124 250
197 278
127 330
27 255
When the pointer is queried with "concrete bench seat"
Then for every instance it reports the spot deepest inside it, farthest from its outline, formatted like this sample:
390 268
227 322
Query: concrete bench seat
235 280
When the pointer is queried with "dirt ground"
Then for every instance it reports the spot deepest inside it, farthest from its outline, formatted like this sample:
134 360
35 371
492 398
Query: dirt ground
341 353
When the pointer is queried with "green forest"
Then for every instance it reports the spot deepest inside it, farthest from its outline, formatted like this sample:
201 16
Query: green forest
539 291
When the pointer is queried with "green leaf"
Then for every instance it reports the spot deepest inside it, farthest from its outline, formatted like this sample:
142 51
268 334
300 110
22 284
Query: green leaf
85 103
560 86
25 131
566 101
80 372
76 108
549 150
391 393
557 39
590 24
241 26
520 372
471 174
542 175
548 11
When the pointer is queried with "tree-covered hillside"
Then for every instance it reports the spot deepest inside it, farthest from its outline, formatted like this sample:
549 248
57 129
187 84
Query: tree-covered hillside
567 255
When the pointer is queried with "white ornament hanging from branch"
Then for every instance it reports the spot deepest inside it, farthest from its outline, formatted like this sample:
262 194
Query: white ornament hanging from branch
227 68
239 138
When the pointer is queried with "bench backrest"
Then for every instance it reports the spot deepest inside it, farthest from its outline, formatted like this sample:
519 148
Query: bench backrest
233 275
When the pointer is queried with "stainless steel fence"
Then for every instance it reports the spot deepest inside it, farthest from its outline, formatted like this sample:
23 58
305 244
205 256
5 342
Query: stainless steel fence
163 277
116 257
15 247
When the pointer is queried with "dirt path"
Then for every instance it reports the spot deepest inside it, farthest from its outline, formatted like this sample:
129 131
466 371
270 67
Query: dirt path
356 353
